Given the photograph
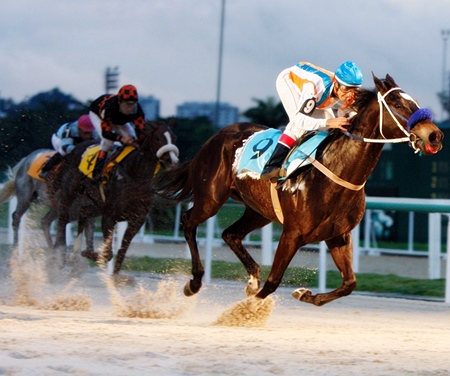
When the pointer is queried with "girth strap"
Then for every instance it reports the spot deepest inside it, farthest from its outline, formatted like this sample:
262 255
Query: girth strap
334 177
276 202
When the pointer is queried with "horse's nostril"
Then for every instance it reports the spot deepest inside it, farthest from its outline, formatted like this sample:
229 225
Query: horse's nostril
435 137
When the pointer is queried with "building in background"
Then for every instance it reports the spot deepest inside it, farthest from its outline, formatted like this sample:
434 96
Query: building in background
227 114
150 105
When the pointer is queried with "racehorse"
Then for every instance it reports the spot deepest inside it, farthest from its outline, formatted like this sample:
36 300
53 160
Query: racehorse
317 204
29 189
127 194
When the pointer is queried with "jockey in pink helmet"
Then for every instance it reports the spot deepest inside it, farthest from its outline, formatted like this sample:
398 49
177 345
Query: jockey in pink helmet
66 137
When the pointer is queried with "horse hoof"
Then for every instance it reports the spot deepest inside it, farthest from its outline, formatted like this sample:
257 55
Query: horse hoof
188 291
90 254
108 256
297 294
252 286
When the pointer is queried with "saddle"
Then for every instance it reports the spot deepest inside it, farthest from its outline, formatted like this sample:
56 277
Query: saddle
257 150
89 158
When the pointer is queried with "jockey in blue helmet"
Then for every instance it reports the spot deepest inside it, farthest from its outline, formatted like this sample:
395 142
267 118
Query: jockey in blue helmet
310 94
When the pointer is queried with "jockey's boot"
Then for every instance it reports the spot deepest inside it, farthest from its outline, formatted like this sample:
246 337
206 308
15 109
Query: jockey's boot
272 168
54 160
99 164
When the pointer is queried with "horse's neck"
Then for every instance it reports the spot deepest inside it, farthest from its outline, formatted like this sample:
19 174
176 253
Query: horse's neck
354 160
140 164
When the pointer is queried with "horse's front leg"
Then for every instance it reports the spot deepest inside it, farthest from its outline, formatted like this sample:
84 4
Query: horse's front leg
89 228
108 225
341 249
233 236
132 229
287 247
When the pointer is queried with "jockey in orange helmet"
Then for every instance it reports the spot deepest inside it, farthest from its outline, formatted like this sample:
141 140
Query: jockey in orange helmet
117 118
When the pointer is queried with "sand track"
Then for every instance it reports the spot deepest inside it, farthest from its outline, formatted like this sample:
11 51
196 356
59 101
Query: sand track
356 335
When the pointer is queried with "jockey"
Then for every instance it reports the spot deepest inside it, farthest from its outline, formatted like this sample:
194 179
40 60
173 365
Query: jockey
66 137
309 94
116 118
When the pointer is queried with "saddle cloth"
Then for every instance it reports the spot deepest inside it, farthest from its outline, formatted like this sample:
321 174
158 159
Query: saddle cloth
37 164
87 163
89 158
258 149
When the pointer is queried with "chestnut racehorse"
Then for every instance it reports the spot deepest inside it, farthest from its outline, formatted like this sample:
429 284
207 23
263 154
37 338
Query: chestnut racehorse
318 204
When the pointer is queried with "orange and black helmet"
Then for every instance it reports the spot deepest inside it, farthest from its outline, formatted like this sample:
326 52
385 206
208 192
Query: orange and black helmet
128 93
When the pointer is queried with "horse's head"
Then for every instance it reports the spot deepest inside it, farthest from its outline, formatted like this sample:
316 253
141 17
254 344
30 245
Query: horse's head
162 140
404 117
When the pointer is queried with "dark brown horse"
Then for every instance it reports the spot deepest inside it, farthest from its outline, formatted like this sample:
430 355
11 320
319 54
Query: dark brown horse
316 206
127 195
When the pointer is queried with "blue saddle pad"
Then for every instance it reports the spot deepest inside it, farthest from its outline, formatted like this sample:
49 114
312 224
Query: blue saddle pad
259 148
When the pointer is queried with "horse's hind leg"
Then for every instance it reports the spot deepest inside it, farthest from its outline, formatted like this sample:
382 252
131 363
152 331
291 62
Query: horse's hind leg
233 236
190 219
46 223
341 249
22 207
190 234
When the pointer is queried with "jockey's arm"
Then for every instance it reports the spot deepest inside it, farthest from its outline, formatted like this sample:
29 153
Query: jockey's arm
107 131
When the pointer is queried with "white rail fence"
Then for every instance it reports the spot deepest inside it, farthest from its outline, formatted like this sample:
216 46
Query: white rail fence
437 209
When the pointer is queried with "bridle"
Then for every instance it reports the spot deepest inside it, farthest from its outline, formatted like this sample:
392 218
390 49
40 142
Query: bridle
419 115
409 136
170 148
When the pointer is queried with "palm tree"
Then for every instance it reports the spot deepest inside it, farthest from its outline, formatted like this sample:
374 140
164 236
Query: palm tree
267 113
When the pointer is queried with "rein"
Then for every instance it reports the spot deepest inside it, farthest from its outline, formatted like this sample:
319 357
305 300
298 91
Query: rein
410 137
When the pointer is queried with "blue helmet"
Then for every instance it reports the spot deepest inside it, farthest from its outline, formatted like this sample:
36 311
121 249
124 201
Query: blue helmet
349 74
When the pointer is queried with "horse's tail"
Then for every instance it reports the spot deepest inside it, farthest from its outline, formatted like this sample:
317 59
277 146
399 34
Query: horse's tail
9 188
175 183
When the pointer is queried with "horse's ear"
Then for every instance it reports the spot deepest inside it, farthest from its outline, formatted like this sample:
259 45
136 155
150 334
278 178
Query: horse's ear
380 86
390 80
172 122
151 124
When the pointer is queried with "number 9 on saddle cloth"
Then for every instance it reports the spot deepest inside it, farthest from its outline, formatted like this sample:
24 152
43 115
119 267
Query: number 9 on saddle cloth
257 150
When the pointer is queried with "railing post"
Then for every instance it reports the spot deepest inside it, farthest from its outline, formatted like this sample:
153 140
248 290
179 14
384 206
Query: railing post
322 267
356 248
367 229
266 244
447 272
12 205
410 231
209 245
434 245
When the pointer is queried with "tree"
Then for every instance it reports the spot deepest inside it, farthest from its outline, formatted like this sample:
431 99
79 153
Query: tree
29 128
269 113
191 135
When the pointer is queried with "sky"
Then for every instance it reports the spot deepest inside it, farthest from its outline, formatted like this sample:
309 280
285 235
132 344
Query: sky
170 48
